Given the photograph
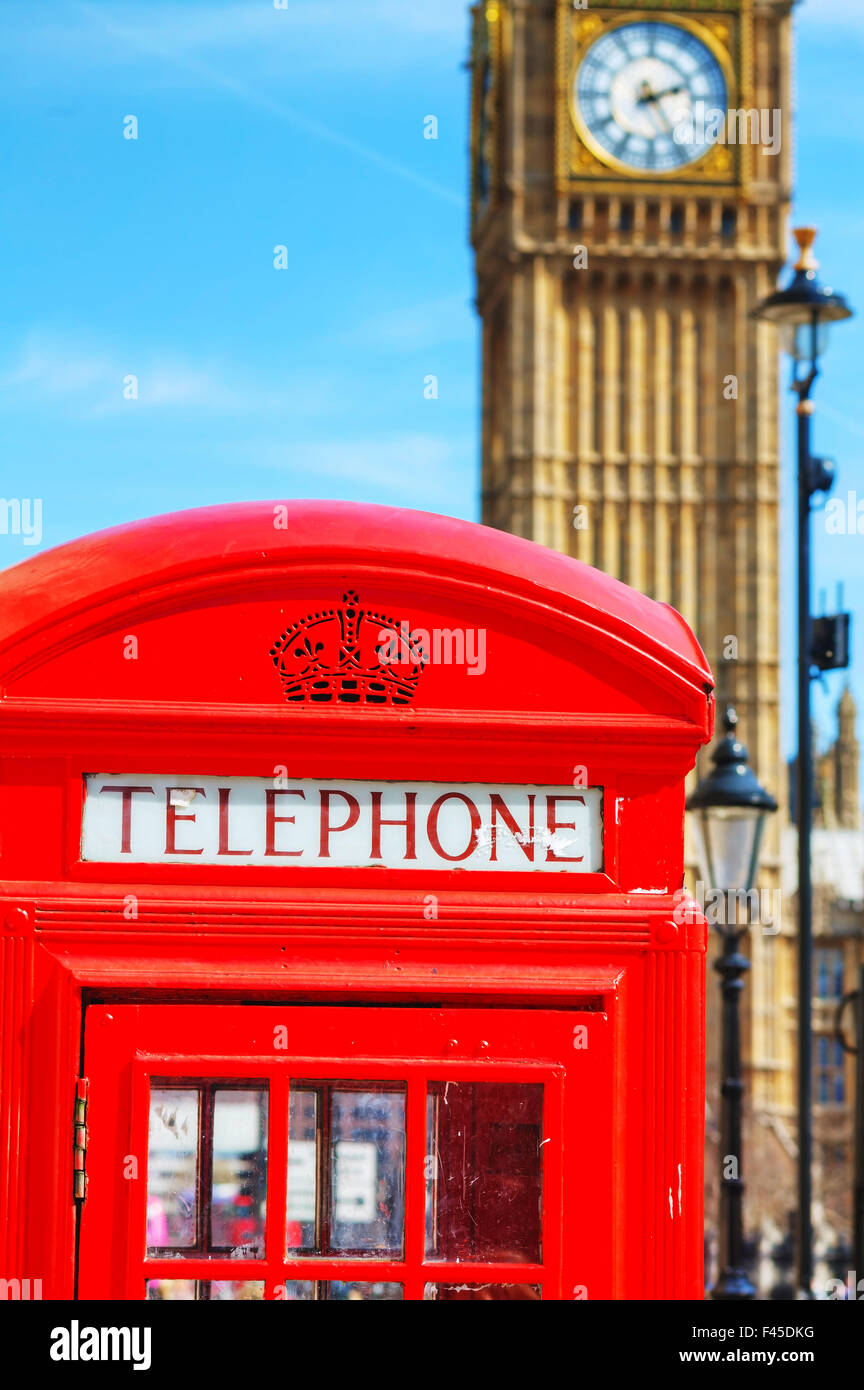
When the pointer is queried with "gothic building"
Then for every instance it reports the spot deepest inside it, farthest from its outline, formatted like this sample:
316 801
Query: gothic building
629 398
838 934
837 776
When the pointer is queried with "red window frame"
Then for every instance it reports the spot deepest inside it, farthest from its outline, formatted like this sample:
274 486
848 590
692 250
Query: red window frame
128 1046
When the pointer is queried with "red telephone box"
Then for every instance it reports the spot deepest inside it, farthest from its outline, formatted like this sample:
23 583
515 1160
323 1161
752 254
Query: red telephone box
343 944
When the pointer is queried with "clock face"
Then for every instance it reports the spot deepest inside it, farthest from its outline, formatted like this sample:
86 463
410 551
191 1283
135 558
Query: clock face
637 88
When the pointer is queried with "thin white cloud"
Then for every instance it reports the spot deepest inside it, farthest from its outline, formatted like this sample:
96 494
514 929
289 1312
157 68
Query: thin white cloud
253 23
320 35
423 325
839 418
151 40
44 369
49 369
89 381
408 464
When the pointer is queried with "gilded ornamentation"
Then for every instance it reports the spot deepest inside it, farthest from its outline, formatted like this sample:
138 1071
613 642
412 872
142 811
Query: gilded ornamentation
579 156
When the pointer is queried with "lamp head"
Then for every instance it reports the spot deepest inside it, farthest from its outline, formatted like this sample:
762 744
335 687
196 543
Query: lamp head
731 806
805 308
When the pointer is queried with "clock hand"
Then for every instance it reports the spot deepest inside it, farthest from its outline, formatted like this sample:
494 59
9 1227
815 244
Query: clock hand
648 95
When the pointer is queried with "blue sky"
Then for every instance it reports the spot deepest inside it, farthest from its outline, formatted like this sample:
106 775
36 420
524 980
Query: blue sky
300 127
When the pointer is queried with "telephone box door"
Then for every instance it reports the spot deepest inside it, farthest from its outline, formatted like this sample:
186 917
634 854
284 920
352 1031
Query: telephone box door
358 1153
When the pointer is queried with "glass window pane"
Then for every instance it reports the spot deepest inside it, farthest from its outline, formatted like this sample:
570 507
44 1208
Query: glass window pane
829 972
201 1290
367 1170
302 1170
171 1290
172 1169
298 1291
479 1293
236 1290
239 1172
355 1292
484 1170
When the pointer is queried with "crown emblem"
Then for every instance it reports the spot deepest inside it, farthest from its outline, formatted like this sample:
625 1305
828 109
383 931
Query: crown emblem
350 655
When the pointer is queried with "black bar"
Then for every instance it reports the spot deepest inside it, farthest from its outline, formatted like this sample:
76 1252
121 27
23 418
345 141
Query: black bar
733 1282
858 1179
804 801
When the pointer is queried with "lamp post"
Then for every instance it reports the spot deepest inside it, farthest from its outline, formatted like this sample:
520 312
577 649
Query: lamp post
803 312
731 807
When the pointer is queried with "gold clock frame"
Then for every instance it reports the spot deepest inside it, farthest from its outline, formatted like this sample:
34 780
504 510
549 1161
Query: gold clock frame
707 39
725 29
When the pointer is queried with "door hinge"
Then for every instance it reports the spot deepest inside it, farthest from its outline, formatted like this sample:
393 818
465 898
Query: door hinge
79 1141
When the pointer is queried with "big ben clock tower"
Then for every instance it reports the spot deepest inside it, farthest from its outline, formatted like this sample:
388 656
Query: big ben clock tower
630 191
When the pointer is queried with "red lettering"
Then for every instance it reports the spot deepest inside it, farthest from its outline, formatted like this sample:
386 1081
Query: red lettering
126 813
432 825
525 842
224 794
273 820
171 819
408 822
552 825
326 827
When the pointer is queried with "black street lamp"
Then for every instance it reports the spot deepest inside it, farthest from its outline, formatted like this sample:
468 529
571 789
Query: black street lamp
803 312
731 807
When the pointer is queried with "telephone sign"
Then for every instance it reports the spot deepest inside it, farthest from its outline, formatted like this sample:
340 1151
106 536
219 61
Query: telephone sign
427 825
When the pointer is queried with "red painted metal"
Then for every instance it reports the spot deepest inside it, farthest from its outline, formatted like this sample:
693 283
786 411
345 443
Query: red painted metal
580 673
127 1045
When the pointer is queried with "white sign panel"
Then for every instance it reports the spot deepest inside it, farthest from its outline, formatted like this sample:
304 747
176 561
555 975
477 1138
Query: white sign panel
133 819
302 1161
356 1181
